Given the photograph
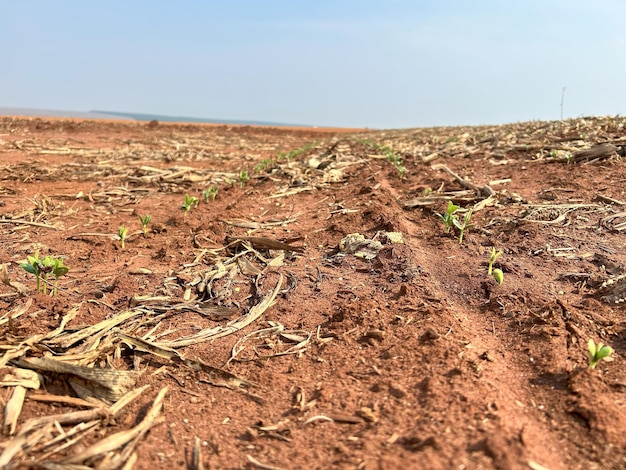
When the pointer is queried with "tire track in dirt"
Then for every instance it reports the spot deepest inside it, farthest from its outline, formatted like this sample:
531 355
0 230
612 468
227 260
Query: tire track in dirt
515 431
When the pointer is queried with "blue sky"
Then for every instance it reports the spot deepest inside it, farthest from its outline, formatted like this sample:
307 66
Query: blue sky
352 63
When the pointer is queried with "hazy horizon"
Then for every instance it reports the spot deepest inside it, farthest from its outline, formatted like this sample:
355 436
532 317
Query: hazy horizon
121 115
141 117
343 63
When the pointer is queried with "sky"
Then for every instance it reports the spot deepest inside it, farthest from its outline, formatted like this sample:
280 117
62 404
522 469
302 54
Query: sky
348 63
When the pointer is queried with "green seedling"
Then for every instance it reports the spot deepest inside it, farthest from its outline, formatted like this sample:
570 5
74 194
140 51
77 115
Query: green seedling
451 220
263 165
395 160
210 193
498 275
43 268
401 169
32 265
391 156
492 258
145 220
190 201
598 353
294 153
58 270
243 177
463 226
122 235
267 163
449 217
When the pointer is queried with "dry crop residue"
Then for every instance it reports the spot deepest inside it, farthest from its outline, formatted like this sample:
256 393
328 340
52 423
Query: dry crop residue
310 310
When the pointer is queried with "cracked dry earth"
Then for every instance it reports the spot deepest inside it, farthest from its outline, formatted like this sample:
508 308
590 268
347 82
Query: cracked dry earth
270 340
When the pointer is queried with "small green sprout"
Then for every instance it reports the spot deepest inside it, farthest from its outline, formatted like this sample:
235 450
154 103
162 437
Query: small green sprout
210 193
427 192
451 220
401 169
498 275
395 160
58 270
268 163
243 177
598 353
463 226
42 268
122 235
391 156
32 265
145 220
291 154
449 217
190 201
263 165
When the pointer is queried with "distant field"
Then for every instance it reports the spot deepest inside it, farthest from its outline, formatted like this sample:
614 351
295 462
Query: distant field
158 117
57 113
131 116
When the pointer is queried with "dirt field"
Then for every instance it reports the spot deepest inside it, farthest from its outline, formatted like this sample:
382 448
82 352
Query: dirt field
257 330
